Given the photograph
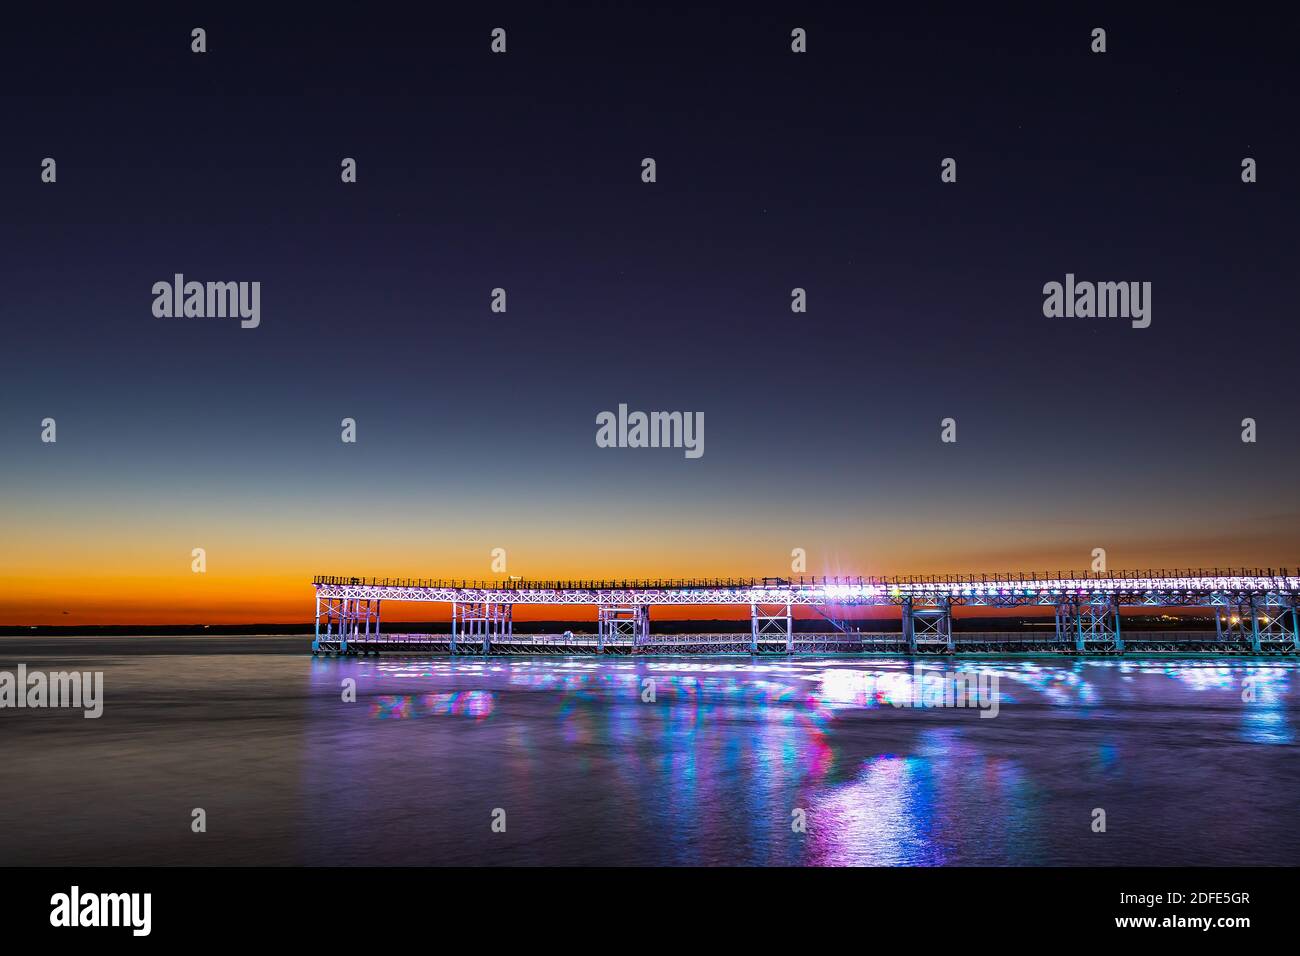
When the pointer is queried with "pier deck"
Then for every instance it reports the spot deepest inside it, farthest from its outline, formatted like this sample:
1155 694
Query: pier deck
1254 611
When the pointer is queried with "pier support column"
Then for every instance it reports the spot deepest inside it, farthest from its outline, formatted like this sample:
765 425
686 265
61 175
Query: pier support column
1234 631
347 620
358 613
1275 624
909 625
1069 623
354 617
1254 627
1092 621
480 622
769 622
617 622
1234 626
1119 631
930 626
1063 635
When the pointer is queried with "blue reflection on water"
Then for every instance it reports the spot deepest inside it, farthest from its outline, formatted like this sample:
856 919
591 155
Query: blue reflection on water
1264 716
710 767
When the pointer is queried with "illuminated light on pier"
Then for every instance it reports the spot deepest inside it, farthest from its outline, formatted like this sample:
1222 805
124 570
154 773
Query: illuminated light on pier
1255 611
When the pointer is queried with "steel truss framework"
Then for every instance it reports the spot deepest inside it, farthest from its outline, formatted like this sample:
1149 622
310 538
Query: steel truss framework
345 618
927 624
616 623
1253 609
476 623
1267 621
771 623
1156 589
1092 622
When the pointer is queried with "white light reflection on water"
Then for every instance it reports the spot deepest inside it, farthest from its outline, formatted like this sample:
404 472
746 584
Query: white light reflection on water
709 770
1193 759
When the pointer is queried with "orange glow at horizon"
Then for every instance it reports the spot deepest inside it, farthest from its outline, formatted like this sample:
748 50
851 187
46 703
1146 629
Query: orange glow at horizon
282 600
131 564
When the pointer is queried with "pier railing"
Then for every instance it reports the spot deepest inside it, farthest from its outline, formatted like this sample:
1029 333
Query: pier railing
1279 575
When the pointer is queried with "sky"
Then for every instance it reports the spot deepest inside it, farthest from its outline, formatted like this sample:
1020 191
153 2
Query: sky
774 170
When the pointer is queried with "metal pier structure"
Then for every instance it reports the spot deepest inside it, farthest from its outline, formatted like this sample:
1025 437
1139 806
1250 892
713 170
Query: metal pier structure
1255 612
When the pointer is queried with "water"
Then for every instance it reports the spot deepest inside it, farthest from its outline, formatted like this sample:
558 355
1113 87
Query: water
256 733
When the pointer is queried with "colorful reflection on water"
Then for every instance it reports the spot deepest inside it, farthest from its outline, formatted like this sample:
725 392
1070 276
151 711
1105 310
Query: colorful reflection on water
708 761
470 703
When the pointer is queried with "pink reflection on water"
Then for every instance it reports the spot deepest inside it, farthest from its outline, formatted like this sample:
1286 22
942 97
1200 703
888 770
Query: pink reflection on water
476 704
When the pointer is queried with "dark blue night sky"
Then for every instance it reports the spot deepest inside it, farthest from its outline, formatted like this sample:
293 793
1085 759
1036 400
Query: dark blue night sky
775 170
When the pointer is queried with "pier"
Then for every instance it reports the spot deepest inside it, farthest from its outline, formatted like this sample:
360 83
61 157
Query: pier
1255 612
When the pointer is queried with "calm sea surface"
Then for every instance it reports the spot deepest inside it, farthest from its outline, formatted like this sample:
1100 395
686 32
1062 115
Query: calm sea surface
587 770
